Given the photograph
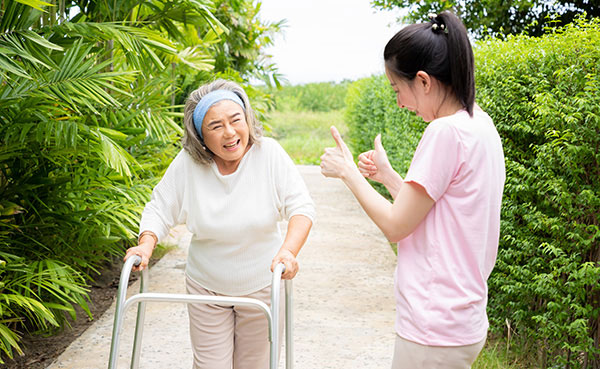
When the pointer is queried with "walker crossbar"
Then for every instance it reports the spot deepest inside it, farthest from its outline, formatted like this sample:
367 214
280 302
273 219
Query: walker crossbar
140 299
192 299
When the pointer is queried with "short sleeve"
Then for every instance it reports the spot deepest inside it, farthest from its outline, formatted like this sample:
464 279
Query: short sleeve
292 193
163 211
436 160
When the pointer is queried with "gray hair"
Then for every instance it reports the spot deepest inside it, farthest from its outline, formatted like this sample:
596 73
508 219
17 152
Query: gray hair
192 143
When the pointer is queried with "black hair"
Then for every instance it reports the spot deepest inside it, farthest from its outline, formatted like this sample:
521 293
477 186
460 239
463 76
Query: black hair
441 48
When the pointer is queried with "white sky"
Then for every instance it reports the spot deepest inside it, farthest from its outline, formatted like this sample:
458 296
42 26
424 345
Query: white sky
329 40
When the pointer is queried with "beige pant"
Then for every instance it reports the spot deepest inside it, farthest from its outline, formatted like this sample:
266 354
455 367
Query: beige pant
225 337
411 355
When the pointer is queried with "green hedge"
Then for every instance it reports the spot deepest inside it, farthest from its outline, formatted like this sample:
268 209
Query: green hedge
321 96
543 95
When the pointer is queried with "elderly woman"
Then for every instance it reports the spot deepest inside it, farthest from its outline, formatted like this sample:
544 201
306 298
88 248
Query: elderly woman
231 187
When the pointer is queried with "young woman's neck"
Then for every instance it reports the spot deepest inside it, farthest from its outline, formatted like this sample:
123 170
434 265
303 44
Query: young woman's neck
449 104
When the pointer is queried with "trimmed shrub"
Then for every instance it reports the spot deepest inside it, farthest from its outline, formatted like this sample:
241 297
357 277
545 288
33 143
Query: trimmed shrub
322 96
544 97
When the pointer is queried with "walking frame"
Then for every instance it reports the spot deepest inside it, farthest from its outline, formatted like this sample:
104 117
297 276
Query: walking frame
141 298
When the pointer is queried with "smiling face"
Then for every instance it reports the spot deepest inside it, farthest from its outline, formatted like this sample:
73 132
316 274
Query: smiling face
424 95
226 134
405 93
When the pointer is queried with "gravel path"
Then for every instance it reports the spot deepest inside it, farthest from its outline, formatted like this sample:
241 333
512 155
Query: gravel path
343 297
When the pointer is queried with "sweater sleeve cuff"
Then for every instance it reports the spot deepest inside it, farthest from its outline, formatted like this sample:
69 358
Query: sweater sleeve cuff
306 211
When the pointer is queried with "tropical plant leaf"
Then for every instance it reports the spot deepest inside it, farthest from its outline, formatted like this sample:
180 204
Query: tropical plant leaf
8 341
90 116
17 16
114 155
36 4
34 37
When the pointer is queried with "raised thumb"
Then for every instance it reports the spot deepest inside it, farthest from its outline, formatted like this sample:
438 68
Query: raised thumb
337 137
377 143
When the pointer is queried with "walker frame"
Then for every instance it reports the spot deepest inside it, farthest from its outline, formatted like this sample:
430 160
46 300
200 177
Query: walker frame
272 314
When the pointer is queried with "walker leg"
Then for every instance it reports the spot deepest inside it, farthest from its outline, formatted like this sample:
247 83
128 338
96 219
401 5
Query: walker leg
275 303
289 350
120 309
139 324
114 343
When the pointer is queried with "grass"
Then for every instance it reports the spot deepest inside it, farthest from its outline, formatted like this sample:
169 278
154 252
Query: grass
304 134
493 356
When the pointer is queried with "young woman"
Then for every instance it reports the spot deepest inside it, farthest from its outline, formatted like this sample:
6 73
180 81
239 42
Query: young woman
446 212
231 187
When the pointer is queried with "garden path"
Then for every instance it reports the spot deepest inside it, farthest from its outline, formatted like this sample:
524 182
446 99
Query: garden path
343 297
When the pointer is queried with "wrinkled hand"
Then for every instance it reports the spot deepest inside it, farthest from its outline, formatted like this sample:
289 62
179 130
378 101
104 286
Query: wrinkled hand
289 260
144 250
336 161
374 164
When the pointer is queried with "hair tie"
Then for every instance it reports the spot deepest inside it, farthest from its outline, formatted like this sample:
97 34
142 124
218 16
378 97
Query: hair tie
209 100
436 24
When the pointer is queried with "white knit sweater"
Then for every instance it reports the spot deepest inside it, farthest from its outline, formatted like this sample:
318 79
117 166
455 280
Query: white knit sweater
233 217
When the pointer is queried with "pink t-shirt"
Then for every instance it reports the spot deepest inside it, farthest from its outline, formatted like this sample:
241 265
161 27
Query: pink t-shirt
443 266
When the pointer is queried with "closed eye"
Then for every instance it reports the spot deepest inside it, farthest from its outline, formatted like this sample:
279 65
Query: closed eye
235 117
215 124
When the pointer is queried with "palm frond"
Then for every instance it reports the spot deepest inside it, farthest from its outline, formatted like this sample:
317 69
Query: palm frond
135 43
23 52
87 127
37 4
30 307
196 59
8 340
193 12
113 154
9 66
78 81
18 16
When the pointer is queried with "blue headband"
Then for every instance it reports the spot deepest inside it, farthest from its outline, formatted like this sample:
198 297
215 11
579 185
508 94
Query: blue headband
209 100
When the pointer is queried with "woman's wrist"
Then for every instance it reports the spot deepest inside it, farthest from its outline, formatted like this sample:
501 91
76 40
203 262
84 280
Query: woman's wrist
286 250
350 173
391 178
148 237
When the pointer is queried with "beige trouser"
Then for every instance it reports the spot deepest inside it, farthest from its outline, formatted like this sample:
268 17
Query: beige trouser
225 337
411 355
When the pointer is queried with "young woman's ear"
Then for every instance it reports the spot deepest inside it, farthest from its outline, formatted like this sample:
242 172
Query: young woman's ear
424 80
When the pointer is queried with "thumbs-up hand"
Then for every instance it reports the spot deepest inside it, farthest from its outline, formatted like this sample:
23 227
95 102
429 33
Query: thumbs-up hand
336 161
374 164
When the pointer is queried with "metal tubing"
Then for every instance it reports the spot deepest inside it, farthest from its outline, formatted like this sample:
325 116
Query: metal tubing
139 323
191 299
275 303
119 309
271 314
289 320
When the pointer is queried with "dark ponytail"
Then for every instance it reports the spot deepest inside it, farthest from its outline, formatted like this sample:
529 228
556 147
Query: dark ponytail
442 49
